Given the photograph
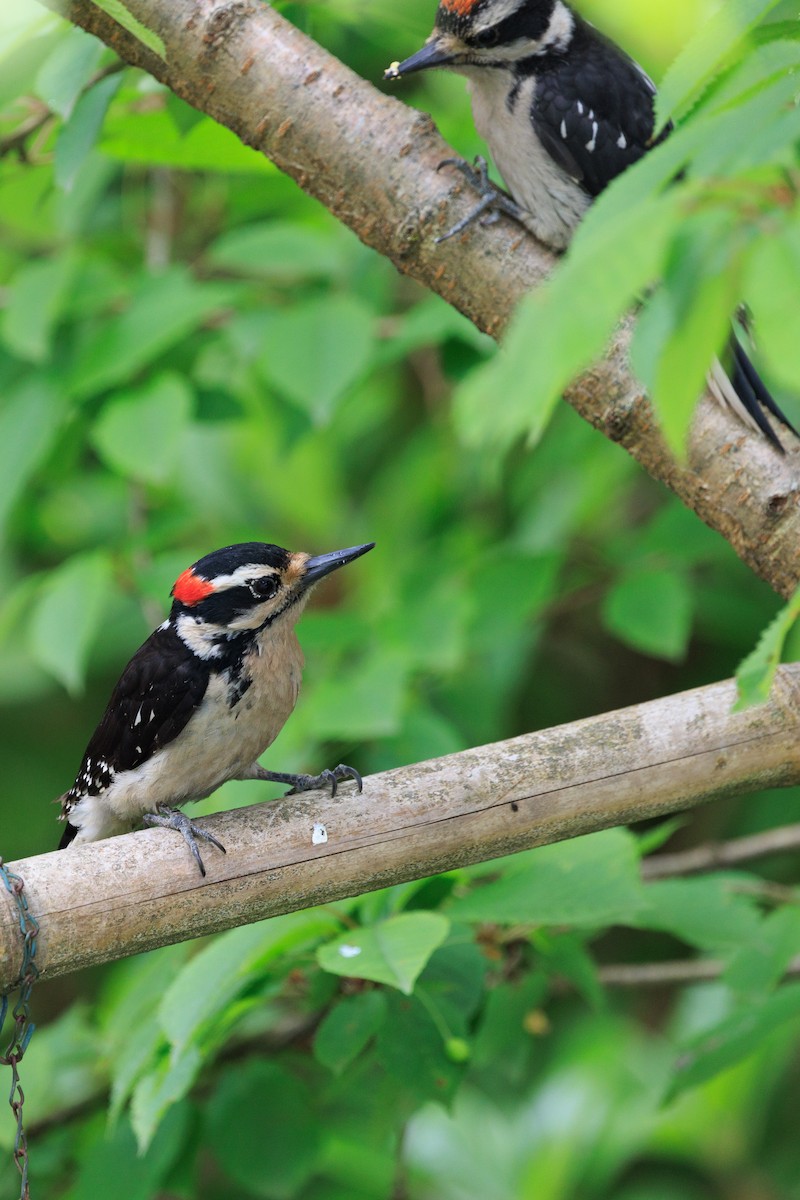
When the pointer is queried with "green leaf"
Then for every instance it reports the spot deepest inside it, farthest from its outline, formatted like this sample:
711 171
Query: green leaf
63 75
347 1028
701 289
127 1003
591 880
411 1050
650 609
280 250
131 1061
124 17
757 968
139 432
375 688
36 301
157 1091
110 1165
155 139
78 135
163 310
202 991
654 838
759 66
705 912
744 1033
394 951
702 57
314 352
455 977
499 1037
66 617
566 955
755 674
29 423
770 284
723 151
263 1129
564 325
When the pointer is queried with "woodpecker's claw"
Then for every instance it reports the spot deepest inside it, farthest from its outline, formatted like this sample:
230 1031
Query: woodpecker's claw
493 200
173 818
309 783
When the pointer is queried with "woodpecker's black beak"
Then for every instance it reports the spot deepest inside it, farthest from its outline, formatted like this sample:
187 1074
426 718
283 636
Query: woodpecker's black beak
320 566
432 54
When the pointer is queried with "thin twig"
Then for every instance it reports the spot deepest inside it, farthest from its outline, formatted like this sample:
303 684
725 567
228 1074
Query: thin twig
19 139
672 973
714 855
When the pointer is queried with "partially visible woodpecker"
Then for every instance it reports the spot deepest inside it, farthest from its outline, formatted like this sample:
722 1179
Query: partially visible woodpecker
204 697
564 111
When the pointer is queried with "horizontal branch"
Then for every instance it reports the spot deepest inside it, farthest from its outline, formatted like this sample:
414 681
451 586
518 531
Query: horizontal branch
109 899
714 855
371 160
674 972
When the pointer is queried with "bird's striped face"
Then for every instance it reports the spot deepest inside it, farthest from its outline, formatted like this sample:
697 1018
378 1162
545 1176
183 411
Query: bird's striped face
245 588
490 33
240 588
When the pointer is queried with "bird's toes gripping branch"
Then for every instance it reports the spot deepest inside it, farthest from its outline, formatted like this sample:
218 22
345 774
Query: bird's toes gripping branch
309 783
493 201
173 818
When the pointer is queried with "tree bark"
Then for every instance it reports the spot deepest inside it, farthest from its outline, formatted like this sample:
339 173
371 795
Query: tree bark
372 161
109 899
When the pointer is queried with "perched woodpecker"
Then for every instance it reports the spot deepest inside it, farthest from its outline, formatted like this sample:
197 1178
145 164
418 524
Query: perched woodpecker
564 111
205 695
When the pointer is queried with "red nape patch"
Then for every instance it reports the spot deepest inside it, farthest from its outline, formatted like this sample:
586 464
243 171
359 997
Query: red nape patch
190 588
461 7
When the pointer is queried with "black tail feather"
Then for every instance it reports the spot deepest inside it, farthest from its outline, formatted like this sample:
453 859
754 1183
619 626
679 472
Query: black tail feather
754 395
762 392
750 401
69 834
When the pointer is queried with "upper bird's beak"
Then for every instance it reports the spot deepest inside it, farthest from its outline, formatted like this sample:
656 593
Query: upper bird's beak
432 54
320 566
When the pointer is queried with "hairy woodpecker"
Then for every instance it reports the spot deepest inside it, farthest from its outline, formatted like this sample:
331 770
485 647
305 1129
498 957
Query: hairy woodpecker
564 111
204 696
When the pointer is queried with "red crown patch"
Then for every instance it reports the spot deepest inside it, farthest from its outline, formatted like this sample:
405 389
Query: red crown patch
461 7
190 588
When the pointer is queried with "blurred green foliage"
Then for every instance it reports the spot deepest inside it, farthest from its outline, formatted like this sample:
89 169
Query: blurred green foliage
194 353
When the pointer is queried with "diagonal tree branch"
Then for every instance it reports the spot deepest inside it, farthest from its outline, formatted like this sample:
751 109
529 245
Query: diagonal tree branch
104 900
372 161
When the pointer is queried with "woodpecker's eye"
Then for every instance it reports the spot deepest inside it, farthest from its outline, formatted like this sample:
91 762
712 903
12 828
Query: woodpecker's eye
489 37
264 587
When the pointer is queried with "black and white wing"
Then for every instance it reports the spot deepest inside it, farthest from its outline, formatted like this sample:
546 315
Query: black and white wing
151 704
593 110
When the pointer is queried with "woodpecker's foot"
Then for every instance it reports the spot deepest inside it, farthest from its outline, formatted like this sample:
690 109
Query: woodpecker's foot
309 783
493 201
173 818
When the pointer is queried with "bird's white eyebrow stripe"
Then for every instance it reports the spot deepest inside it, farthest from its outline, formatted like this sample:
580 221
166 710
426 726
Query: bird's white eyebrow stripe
242 576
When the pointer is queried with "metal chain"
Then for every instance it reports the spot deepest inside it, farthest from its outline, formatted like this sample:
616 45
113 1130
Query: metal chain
23 1026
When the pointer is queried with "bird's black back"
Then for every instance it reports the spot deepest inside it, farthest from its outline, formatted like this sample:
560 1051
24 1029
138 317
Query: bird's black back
592 108
151 704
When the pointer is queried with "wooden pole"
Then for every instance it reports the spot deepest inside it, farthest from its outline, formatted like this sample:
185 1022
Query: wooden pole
110 899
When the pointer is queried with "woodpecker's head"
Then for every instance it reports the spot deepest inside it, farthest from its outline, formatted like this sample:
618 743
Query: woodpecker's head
243 589
470 34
